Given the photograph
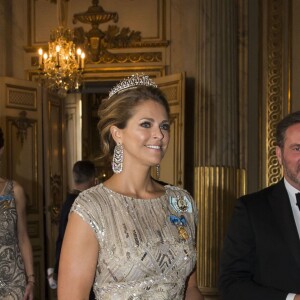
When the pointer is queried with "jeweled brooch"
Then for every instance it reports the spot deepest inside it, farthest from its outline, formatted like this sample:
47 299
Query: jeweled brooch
180 223
181 204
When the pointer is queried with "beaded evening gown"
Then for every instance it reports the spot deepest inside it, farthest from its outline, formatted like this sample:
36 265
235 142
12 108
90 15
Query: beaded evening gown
12 275
147 247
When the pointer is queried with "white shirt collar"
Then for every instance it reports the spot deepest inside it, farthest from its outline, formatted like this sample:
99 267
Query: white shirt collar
290 188
291 191
292 196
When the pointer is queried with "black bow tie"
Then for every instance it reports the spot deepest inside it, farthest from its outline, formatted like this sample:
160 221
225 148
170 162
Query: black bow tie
298 200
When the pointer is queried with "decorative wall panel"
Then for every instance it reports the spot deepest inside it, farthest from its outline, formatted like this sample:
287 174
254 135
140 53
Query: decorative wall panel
21 99
23 161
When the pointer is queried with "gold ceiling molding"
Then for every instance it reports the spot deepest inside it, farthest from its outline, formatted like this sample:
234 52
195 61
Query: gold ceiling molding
137 57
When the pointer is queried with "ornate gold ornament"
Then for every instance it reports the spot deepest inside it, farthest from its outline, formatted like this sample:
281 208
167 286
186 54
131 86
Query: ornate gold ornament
97 42
22 124
55 187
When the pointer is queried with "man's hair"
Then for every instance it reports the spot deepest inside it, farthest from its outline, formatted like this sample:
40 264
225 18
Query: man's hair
1 138
83 171
284 124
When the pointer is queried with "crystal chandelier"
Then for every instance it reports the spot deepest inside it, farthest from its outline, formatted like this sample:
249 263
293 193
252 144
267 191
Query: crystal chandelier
61 67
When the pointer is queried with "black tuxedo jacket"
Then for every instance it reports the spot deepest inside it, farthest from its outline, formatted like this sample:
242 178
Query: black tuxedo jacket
261 252
64 217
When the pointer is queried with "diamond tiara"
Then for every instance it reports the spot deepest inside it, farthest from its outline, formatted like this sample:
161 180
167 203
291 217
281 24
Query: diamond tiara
132 82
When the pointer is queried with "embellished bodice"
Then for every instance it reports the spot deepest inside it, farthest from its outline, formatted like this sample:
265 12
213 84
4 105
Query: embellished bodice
12 276
8 216
147 247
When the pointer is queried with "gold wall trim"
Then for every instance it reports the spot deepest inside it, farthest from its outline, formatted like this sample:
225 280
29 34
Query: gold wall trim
216 191
132 58
274 103
142 44
278 84
118 58
102 72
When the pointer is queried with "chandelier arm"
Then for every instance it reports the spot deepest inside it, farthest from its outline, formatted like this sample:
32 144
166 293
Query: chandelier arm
62 12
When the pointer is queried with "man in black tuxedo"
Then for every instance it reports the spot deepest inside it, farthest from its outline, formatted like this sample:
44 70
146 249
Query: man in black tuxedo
84 177
261 254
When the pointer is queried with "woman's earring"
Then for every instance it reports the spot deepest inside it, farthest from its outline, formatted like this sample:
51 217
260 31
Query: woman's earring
157 171
117 162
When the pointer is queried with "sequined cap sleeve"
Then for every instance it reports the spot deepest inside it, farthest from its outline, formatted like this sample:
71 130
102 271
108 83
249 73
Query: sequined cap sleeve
88 206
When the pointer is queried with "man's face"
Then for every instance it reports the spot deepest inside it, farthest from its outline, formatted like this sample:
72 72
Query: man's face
289 155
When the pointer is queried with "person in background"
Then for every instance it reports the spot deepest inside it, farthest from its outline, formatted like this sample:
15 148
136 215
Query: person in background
136 237
261 254
16 262
84 177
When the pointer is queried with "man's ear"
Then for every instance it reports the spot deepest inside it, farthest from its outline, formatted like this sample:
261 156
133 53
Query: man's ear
279 154
116 134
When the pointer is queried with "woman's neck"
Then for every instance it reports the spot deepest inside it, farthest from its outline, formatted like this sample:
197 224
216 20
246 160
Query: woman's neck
143 187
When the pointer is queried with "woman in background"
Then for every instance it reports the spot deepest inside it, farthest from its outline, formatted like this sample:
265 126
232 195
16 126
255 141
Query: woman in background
16 264
131 237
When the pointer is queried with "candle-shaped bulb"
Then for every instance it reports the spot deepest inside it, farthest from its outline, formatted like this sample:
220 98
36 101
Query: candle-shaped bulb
82 60
78 56
57 48
40 51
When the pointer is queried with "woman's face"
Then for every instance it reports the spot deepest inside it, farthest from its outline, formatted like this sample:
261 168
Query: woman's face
146 136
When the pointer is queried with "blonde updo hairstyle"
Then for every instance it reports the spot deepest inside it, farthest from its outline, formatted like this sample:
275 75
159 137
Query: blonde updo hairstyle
118 109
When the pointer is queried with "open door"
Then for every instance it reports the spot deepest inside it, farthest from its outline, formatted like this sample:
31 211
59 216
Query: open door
172 166
21 121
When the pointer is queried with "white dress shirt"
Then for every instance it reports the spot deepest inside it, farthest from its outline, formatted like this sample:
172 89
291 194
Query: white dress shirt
296 210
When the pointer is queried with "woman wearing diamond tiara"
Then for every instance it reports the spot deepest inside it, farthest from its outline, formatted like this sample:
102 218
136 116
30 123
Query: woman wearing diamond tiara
131 237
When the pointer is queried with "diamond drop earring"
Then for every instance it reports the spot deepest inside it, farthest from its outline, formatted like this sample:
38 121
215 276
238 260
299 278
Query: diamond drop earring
157 171
117 161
